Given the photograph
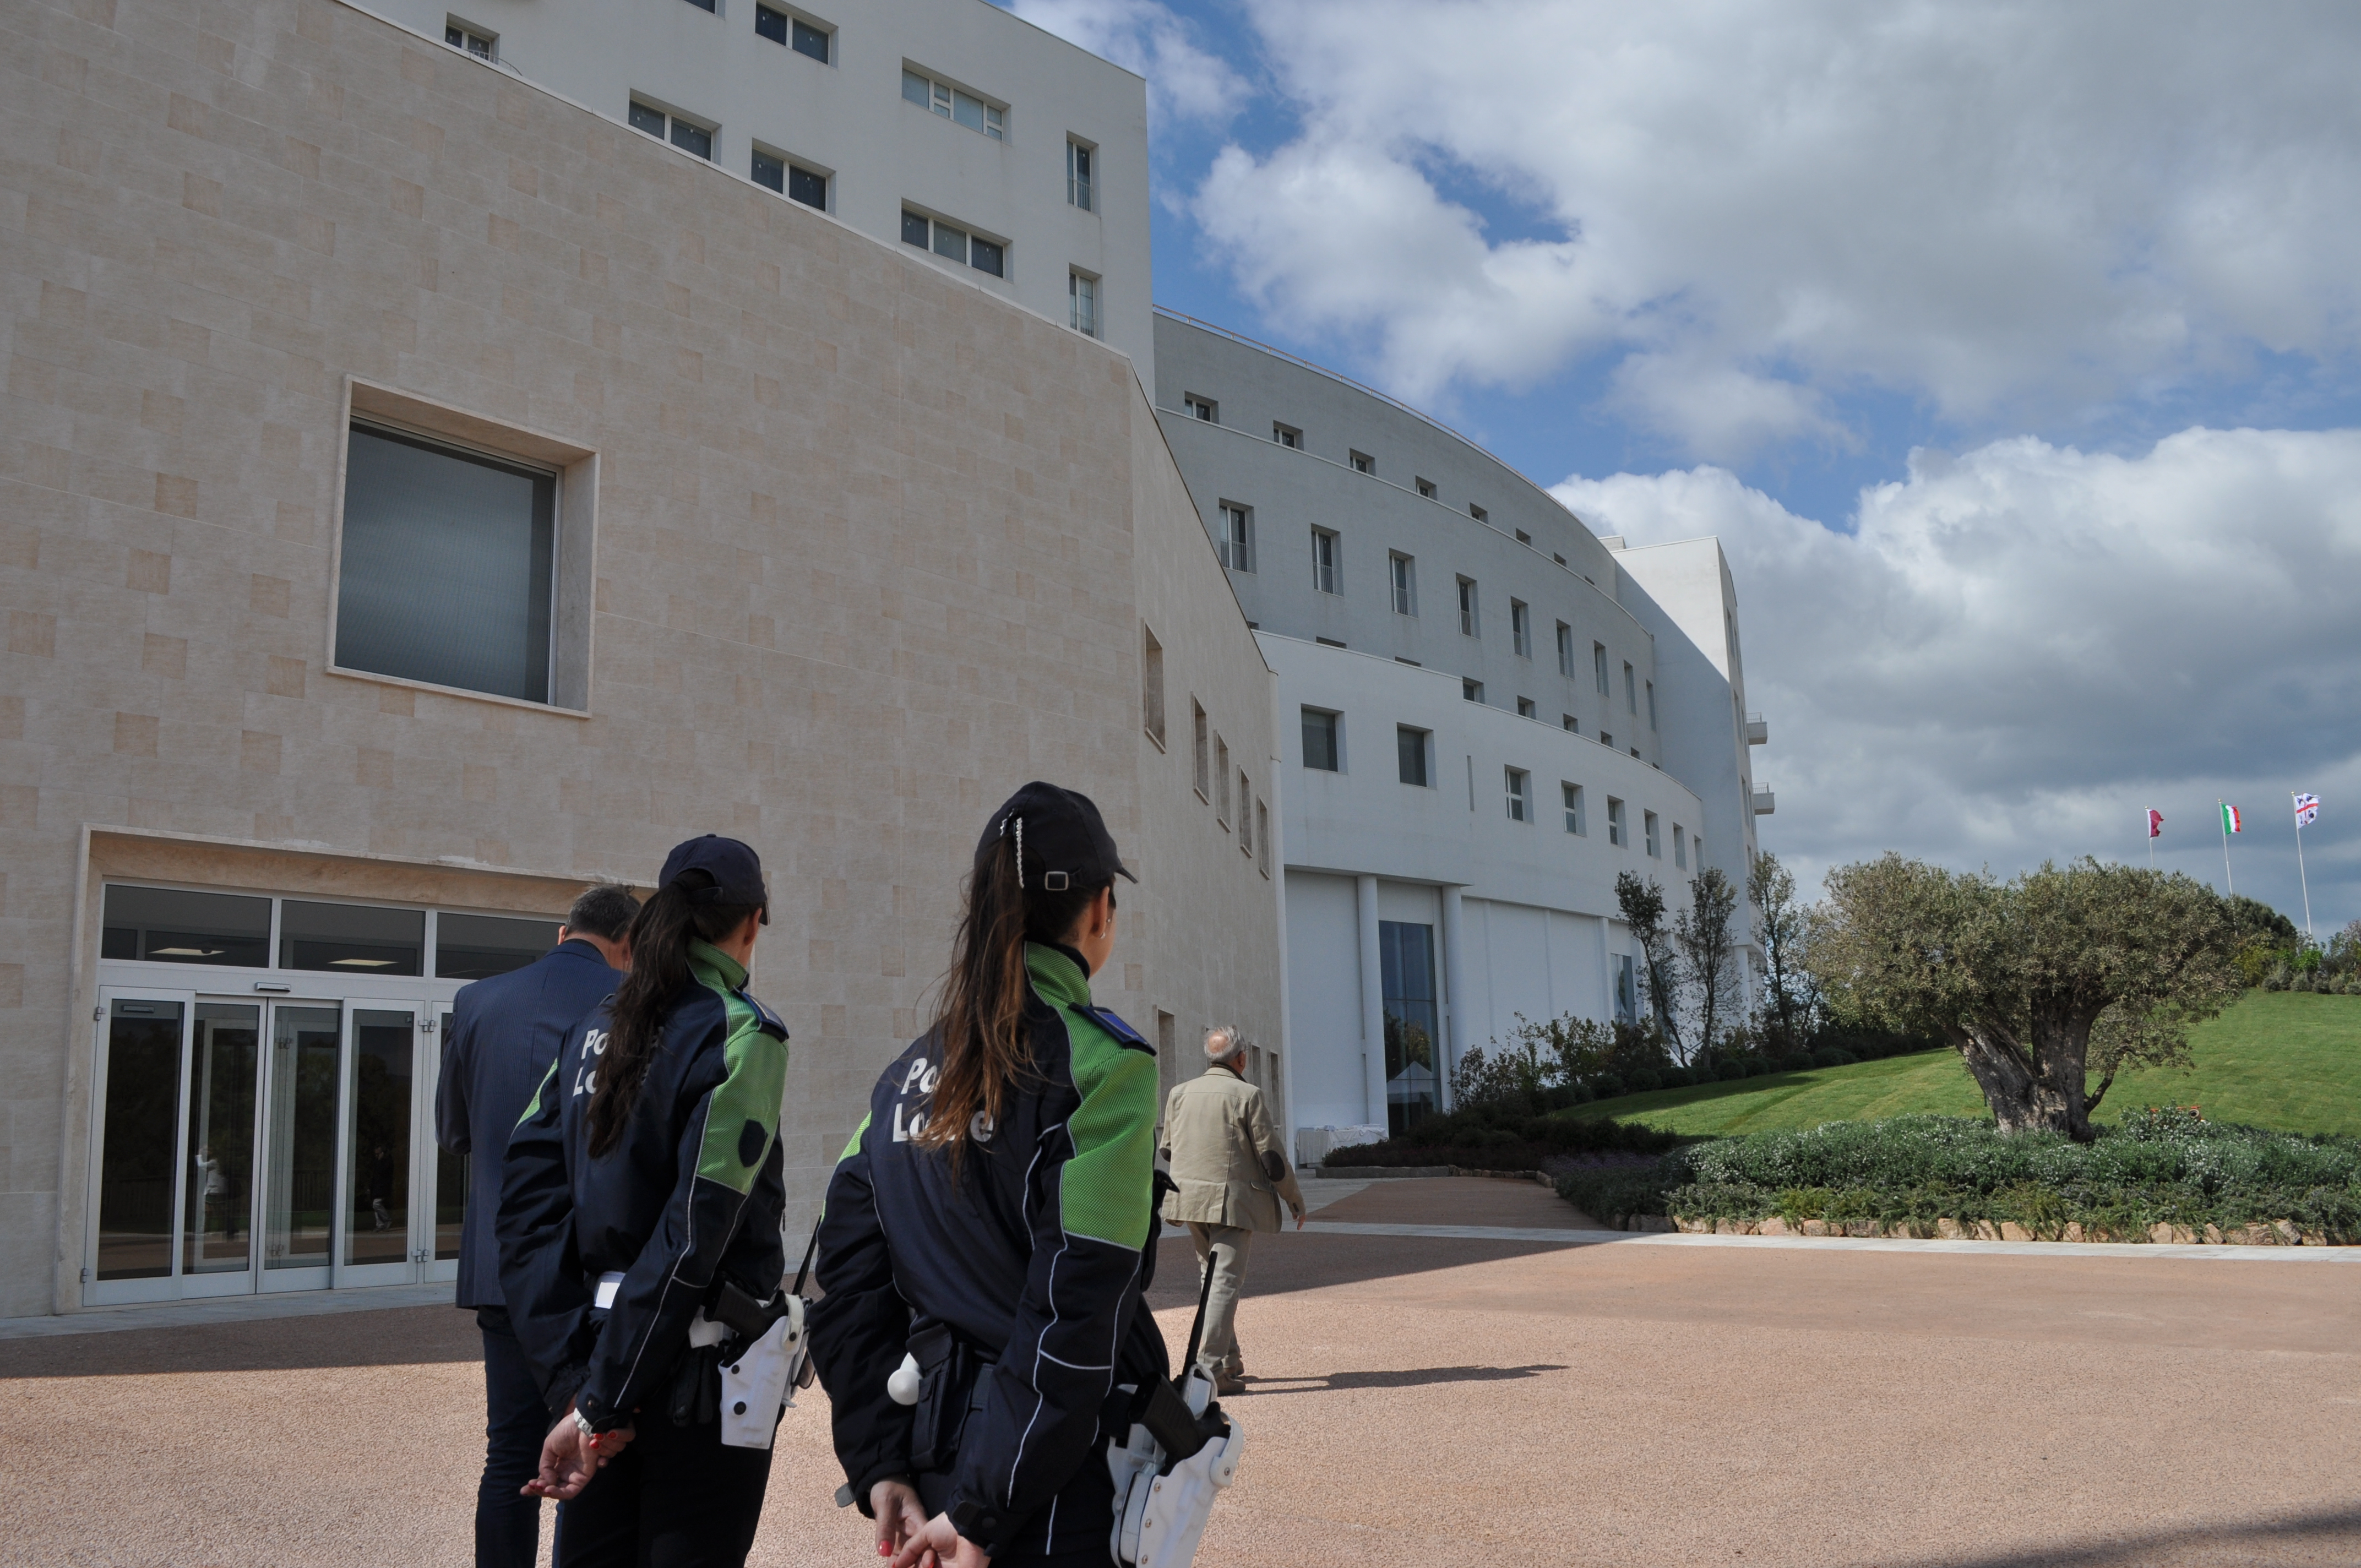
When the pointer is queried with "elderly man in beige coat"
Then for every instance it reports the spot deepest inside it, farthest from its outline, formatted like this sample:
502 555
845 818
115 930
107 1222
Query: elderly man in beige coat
1230 1174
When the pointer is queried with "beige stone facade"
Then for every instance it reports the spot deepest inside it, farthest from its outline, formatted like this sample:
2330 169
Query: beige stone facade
861 548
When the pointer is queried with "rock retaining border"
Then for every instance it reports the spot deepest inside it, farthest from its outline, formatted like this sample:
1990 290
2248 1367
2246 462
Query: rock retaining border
2278 1232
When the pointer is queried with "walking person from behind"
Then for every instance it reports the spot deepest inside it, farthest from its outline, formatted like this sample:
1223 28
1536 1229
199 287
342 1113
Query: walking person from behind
505 1031
1229 1175
993 1220
643 1197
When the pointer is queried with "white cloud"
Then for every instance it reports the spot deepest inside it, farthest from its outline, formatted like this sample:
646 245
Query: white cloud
1184 82
2003 210
2023 648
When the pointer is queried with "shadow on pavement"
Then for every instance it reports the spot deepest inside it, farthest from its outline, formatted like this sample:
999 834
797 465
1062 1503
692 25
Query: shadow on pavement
2326 1536
1418 1377
392 1336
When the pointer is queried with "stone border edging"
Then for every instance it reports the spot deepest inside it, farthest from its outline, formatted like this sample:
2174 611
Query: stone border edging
2279 1233
1385 1172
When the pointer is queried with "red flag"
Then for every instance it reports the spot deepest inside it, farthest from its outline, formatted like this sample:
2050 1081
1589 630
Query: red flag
2154 823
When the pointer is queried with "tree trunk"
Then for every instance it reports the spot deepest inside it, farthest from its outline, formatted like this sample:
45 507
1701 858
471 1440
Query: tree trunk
2036 1091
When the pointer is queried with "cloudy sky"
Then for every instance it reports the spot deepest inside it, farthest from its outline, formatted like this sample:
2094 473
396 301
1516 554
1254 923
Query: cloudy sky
2014 351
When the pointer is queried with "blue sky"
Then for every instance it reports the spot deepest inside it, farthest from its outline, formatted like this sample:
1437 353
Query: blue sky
2010 350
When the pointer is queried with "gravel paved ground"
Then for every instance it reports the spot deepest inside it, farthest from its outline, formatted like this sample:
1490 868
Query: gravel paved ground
1413 1401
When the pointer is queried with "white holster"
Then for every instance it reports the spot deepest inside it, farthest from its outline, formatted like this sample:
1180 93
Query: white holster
761 1383
1162 1508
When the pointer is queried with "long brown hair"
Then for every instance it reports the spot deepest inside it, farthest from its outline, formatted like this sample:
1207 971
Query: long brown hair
660 937
980 1034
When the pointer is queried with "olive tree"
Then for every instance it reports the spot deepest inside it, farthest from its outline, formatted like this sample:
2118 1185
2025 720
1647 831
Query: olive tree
2037 982
1783 924
1642 907
1701 935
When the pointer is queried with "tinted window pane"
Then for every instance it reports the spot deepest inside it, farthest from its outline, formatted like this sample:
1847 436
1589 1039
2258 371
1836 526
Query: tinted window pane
470 947
915 87
810 41
1412 746
770 24
806 187
690 138
215 1237
769 171
985 257
170 927
446 567
967 111
134 1173
703 5
351 939
1320 741
950 242
913 230
376 1226
646 120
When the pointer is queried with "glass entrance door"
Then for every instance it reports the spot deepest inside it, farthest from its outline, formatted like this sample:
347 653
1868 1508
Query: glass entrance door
218 1194
379 1139
450 1209
299 1189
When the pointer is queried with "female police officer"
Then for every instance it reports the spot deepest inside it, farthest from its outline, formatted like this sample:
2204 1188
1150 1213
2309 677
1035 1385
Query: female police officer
641 1186
993 1219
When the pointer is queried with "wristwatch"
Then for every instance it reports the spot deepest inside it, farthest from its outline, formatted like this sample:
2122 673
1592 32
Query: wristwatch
590 1434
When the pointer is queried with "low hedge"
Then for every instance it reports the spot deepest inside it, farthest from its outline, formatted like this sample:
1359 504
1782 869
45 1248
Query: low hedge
2166 1168
1494 1140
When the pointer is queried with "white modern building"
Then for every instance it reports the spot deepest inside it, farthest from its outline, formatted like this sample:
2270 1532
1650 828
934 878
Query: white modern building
1017 161
1489 711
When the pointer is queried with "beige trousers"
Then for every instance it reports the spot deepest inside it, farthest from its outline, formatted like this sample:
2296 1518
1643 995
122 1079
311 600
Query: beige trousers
1217 1353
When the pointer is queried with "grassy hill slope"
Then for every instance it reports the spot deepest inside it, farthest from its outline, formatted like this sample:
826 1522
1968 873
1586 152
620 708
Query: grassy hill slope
2282 1060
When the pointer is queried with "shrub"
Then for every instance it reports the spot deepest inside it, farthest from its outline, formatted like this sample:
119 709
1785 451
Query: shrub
1730 1072
2165 1166
1642 1079
1488 1138
1829 1056
1608 1085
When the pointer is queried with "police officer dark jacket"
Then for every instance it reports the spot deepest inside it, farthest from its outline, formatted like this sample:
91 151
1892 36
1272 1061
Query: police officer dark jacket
1016 1281
691 1194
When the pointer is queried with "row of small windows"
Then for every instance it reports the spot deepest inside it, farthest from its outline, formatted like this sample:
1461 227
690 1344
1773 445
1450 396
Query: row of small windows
812 36
1413 758
774 169
1211 771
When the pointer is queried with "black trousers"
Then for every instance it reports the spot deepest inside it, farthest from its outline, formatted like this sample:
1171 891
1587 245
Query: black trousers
674 1498
507 1524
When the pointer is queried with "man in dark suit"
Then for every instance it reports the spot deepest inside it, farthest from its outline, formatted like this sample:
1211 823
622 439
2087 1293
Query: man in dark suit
505 1031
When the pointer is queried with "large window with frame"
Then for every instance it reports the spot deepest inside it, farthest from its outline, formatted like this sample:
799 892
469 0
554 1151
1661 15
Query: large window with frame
448 566
955 244
955 104
1236 545
1324 575
1412 1019
1401 573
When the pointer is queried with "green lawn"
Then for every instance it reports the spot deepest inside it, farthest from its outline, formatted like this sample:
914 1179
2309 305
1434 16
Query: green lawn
2276 1060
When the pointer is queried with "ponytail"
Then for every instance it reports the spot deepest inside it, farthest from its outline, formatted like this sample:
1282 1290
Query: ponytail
660 937
980 1034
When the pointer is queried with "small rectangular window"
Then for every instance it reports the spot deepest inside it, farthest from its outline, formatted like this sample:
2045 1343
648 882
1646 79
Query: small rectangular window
1521 628
1523 538
1082 304
988 256
1478 513
1151 685
805 38
770 24
959 107
1518 783
1324 561
1680 847
1078 176
1564 649
1245 817
1631 690
1262 837
913 229
159 925
1614 821
1652 705
1287 435
1363 463
1473 691
1201 758
1425 488
1470 625
1401 575
713 6
1648 822
808 185
1525 708
644 119
1221 780
1236 545
1410 746
476 947
351 939
916 88
475 40
1598 666
1203 409
1572 794
1571 725
692 137
1320 741
770 171
1606 740
950 242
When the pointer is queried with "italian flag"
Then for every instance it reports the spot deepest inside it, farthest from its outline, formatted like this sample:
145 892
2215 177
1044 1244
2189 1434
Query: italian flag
2231 820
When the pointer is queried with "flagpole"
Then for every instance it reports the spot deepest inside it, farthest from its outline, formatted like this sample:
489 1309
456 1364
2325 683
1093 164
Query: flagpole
2300 878
2221 810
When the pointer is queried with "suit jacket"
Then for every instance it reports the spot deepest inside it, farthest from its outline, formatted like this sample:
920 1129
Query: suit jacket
1228 1167
505 1032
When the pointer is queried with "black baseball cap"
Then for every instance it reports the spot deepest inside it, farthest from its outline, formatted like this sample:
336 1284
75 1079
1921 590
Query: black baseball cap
1063 841
733 872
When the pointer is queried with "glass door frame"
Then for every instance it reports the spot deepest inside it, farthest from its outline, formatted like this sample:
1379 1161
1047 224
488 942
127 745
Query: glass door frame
427 1002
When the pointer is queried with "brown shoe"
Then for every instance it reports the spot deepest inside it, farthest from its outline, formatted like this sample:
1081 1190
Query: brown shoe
1229 1383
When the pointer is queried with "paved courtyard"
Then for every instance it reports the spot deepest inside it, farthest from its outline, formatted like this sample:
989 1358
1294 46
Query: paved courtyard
1536 1394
